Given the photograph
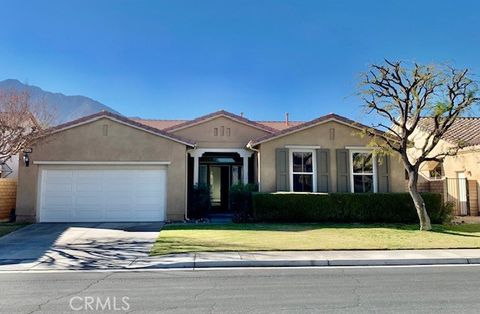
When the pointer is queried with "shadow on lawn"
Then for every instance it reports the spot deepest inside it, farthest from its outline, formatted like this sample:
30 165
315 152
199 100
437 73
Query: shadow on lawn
461 230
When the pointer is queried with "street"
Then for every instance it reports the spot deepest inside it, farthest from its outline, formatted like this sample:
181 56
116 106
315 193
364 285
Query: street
381 289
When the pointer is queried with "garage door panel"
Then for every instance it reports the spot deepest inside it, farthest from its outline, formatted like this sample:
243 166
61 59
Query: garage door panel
107 194
59 201
56 187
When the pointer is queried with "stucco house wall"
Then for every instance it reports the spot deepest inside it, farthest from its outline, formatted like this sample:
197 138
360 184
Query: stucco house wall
467 160
203 134
319 135
87 142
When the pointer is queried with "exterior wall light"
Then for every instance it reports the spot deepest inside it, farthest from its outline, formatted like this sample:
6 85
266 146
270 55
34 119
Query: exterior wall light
26 158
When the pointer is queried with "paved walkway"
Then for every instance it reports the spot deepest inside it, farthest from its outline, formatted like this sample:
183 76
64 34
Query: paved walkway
257 259
311 258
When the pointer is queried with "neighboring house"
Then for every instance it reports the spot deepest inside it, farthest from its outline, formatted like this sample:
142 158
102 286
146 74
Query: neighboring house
105 167
9 169
458 177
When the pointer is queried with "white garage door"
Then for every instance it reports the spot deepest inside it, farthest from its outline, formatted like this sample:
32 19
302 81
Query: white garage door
109 193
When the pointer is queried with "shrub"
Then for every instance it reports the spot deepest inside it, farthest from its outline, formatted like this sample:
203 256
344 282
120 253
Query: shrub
345 207
200 201
241 201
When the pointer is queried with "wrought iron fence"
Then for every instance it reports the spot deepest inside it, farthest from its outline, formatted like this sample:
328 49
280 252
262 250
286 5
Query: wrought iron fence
456 192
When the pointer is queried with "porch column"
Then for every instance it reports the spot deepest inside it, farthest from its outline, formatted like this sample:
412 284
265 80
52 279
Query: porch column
245 169
195 169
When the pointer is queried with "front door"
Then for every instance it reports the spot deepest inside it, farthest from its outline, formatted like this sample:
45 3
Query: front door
219 183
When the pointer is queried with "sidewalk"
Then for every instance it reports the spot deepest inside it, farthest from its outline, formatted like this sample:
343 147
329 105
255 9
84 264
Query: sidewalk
267 259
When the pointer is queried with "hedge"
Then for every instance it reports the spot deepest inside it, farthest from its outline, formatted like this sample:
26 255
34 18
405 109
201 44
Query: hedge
346 207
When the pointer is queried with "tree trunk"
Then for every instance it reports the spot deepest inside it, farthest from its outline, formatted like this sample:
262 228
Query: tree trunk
418 201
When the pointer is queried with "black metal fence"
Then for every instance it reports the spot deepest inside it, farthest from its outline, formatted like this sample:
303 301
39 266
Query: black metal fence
456 192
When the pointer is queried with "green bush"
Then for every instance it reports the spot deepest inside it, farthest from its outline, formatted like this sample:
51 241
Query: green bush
241 201
200 201
345 207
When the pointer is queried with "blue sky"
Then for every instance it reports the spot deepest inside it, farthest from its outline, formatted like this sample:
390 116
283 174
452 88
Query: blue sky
182 59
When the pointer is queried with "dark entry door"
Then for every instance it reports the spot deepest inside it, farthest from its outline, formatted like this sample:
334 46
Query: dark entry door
219 182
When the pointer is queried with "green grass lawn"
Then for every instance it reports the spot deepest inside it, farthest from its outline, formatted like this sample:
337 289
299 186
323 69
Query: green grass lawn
180 238
8 227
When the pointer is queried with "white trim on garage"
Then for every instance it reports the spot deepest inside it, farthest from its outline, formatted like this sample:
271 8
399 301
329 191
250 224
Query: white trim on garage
126 163
102 193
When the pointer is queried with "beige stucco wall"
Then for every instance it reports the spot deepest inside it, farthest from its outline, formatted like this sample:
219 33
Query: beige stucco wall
203 133
87 143
319 135
467 160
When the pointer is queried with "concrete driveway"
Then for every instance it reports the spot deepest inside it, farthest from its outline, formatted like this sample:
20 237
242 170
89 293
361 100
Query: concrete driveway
77 246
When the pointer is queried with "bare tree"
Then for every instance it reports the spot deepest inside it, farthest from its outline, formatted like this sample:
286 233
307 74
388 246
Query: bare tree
22 123
401 94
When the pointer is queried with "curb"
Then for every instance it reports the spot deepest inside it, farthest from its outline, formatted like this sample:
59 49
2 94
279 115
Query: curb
205 264
313 263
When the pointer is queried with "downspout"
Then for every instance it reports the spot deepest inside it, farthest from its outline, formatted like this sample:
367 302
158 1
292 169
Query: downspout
186 183
250 146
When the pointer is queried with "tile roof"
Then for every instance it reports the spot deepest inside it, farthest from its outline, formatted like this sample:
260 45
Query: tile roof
171 124
280 125
218 114
464 129
125 120
159 124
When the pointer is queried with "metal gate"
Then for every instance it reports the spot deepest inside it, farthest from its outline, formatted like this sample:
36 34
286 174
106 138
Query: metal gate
457 194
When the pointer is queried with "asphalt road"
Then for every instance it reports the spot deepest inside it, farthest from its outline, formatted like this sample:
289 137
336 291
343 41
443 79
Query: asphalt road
333 290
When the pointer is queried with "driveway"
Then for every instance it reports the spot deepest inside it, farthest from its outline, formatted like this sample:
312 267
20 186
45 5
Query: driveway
77 245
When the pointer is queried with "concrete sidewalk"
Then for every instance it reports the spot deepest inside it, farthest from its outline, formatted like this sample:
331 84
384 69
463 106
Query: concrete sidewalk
311 258
269 259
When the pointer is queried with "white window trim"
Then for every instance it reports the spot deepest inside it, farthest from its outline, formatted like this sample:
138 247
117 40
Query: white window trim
374 161
314 166
302 146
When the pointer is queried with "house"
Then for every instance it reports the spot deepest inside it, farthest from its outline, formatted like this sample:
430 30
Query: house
106 167
457 177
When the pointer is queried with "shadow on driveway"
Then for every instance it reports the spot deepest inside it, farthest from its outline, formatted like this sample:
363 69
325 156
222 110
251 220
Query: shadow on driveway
77 245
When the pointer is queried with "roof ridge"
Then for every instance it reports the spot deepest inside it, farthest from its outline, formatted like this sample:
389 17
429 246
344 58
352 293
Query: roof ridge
220 113
279 121
150 119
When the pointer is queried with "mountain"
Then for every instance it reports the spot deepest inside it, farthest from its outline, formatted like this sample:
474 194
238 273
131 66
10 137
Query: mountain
65 108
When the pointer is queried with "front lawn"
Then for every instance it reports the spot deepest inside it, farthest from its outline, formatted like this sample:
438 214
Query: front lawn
181 238
8 227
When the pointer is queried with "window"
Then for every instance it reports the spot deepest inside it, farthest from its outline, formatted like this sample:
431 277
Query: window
436 173
302 170
363 172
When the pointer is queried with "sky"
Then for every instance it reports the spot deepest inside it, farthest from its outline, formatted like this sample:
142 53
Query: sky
182 59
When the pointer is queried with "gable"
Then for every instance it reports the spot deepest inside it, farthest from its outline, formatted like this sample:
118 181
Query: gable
220 131
105 139
331 134
120 120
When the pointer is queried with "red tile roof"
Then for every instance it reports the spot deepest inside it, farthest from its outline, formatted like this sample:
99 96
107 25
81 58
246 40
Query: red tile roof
464 129
173 124
159 124
280 125
218 114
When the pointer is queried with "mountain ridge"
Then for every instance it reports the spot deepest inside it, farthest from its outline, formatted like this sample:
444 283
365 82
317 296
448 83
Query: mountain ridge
64 107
